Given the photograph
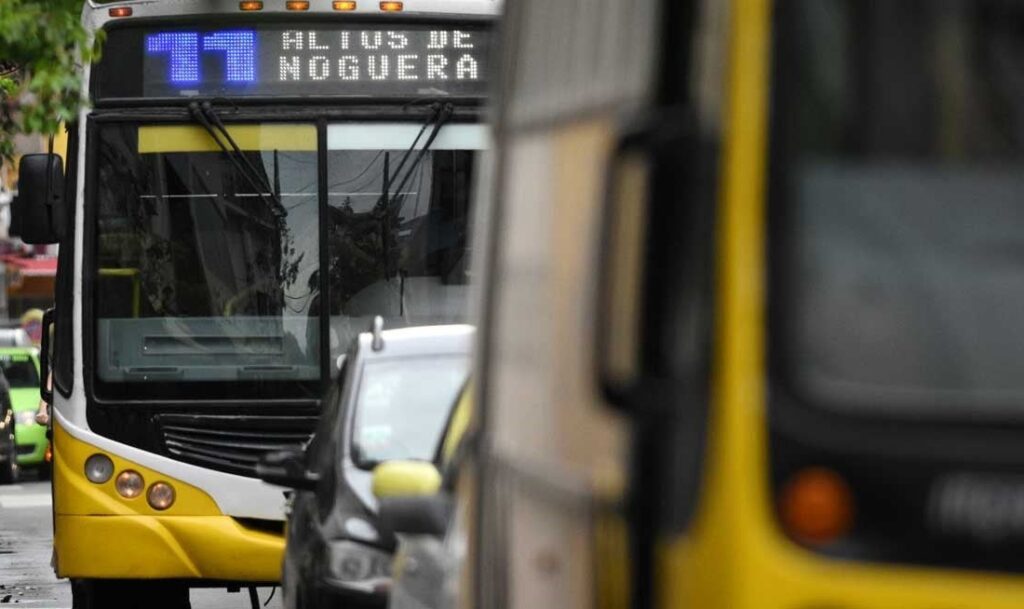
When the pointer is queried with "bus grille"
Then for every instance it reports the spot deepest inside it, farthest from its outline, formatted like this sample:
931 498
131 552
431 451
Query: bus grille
231 443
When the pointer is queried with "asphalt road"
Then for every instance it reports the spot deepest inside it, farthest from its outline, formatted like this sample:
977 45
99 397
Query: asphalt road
26 579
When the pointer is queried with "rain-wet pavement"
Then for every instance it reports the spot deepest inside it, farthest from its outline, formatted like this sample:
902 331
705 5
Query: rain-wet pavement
26 578
26 527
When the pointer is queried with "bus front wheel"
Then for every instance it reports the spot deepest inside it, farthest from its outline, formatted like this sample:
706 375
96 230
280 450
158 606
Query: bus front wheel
128 594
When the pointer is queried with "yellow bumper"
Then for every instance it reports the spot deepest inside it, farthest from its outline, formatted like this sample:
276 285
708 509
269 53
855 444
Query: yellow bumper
99 534
186 547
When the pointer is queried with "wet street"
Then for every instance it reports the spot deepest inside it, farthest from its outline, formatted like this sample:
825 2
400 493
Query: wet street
26 578
25 529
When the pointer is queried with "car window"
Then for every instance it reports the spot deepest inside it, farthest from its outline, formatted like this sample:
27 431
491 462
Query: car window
403 406
20 371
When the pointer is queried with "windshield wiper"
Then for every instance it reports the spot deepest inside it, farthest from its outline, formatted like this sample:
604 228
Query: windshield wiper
203 115
436 109
278 208
440 113
440 117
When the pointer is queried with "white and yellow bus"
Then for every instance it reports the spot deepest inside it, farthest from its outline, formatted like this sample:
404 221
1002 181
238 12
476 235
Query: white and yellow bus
253 183
754 281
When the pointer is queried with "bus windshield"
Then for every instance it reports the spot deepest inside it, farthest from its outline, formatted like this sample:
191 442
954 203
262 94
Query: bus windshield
899 203
207 263
399 252
204 260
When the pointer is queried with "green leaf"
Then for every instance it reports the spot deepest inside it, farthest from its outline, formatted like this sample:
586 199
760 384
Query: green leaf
43 44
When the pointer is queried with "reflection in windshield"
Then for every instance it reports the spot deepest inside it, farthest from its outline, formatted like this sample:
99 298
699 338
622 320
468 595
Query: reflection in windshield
201 277
401 255
403 406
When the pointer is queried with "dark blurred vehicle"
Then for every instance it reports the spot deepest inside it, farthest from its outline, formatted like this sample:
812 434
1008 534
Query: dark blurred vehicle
8 446
392 402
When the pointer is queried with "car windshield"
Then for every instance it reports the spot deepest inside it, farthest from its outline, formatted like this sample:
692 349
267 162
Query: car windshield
205 260
899 206
20 371
402 407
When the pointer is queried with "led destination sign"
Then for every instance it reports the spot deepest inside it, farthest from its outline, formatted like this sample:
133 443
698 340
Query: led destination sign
346 61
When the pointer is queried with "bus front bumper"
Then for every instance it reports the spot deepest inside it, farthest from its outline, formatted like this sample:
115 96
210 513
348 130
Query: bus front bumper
165 547
100 534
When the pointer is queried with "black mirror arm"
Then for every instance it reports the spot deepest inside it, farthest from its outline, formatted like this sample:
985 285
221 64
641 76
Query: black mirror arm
287 468
45 381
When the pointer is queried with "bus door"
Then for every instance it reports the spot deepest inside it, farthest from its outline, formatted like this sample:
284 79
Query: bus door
596 95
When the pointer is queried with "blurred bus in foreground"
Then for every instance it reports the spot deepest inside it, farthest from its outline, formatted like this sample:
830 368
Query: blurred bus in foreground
253 183
756 283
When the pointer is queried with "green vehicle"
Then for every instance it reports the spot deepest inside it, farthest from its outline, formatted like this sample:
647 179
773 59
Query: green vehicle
21 367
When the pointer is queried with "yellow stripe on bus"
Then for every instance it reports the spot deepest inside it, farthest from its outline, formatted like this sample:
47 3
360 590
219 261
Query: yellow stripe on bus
193 138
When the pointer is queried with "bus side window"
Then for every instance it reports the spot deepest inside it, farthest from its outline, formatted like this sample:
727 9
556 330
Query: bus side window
62 363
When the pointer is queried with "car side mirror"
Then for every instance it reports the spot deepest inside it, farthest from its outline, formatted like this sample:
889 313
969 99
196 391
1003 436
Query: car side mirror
416 515
287 468
38 213
410 501
405 479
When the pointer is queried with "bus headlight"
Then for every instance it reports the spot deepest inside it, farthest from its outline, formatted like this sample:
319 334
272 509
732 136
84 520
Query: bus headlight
99 468
160 496
129 484
25 417
357 564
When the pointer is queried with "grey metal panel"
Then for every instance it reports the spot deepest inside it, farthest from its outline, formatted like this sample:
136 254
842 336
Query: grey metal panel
578 56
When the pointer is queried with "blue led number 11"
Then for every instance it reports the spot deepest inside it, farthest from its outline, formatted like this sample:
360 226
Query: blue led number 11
183 48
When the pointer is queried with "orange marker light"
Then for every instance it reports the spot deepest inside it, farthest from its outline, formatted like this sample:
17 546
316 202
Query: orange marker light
297 5
391 7
344 5
120 11
816 506
251 5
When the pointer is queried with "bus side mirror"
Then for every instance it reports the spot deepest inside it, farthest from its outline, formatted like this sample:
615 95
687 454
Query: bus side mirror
38 213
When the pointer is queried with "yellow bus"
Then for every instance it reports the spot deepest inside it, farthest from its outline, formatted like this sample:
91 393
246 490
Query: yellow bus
754 284
251 185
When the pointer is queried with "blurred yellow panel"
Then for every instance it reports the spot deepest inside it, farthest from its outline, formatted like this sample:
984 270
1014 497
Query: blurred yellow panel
193 138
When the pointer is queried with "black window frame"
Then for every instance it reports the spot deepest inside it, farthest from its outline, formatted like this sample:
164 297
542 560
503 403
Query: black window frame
63 362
